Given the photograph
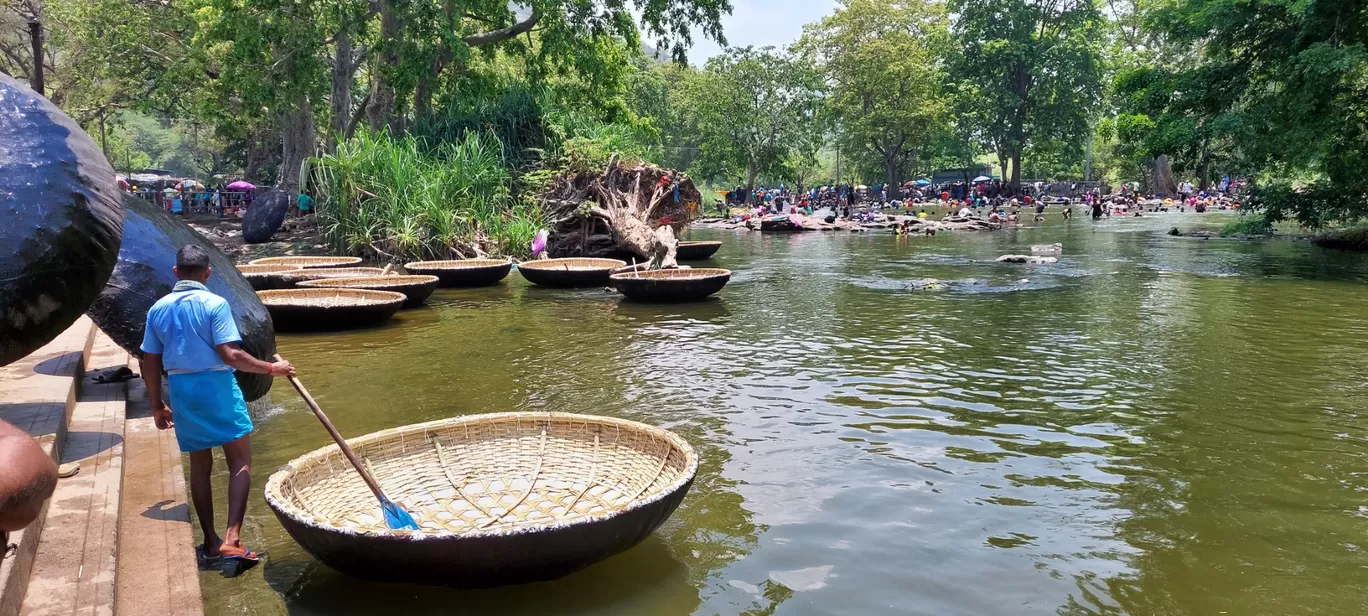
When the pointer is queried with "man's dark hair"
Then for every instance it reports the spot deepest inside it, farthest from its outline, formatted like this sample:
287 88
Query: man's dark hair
192 259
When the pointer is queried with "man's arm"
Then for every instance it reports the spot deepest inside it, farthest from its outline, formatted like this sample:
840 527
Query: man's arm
151 365
232 354
28 479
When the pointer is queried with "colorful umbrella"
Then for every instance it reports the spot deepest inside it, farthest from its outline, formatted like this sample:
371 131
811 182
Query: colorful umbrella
241 185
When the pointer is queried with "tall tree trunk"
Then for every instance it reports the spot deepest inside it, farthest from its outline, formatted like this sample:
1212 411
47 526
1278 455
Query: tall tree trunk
341 97
1015 184
891 175
298 144
36 38
380 111
1163 176
751 172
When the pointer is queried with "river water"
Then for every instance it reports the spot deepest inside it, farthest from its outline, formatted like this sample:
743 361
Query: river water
1153 425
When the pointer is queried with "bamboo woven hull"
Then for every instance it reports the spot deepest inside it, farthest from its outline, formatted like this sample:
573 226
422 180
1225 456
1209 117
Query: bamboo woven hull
317 318
268 282
482 561
466 276
697 251
667 290
570 278
309 262
417 293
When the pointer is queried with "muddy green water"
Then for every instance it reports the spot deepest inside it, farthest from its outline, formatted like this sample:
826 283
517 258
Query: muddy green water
1153 425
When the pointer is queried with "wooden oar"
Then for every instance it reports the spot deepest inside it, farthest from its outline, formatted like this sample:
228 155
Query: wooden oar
395 517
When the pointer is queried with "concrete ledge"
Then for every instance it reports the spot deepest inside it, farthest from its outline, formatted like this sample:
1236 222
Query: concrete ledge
157 570
73 571
38 394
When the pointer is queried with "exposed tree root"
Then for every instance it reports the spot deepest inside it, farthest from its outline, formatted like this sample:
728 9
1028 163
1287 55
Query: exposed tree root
636 210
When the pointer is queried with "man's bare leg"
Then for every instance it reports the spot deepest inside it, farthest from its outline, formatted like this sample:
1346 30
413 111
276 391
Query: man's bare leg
202 494
239 455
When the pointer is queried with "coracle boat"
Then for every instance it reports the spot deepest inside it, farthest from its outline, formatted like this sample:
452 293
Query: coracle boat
416 288
569 273
499 499
329 309
267 277
463 273
672 285
696 251
293 278
309 262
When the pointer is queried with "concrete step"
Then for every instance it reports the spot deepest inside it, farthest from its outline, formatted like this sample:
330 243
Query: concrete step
157 570
74 568
38 394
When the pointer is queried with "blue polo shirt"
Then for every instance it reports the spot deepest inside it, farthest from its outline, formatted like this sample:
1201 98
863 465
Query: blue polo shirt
186 325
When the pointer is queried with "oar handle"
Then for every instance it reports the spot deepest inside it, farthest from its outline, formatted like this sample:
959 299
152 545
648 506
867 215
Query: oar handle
341 442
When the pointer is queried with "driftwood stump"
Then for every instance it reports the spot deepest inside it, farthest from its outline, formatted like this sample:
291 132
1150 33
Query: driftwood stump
624 209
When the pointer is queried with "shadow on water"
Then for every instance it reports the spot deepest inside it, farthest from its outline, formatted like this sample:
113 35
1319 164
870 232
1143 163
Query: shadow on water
657 579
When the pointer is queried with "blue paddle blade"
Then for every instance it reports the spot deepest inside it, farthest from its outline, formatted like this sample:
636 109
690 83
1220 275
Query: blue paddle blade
396 518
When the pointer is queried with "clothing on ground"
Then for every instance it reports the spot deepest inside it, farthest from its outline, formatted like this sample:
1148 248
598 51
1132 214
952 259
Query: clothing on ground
208 410
186 325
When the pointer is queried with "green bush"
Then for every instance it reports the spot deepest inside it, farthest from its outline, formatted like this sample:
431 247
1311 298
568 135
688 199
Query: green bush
1248 224
379 195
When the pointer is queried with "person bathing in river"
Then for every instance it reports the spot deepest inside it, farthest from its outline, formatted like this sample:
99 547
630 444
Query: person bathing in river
191 335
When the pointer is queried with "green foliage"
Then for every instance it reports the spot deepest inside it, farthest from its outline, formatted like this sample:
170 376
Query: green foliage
398 197
1248 224
1029 73
882 62
755 108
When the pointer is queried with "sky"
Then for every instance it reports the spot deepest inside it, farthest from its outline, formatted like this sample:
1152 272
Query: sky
760 23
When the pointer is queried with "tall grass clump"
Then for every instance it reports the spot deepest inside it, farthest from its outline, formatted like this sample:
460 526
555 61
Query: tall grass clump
379 195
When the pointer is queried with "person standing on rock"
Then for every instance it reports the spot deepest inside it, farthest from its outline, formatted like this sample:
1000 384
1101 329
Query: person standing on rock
191 334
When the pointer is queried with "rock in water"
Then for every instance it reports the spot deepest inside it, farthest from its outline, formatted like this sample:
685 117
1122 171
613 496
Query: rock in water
143 275
264 217
60 221
1026 259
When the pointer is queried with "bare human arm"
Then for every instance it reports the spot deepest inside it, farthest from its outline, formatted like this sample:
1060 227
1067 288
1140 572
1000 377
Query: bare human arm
232 354
151 364
28 479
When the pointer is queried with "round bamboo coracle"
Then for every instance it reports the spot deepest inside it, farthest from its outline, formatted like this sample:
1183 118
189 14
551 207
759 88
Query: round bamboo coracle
267 277
301 275
463 273
569 273
309 262
673 285
329 309
696 251
500 499
416 288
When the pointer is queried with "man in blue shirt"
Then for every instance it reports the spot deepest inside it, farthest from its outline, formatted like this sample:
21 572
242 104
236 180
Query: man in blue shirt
191 335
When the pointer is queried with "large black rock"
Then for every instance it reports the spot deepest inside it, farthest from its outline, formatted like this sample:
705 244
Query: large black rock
143 275
60 220
264 217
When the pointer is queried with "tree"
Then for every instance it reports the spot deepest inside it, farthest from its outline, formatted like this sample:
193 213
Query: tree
756 108
1027 69
884 74
1285 86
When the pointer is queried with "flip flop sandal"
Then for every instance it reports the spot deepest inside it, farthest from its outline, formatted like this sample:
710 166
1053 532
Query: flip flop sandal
233 566
205 560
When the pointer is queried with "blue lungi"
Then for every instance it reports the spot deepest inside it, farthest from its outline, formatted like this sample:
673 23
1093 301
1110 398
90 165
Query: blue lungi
208 409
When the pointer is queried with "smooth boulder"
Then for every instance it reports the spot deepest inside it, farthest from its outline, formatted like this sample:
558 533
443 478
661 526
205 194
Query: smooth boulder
60 221
143 275
264 217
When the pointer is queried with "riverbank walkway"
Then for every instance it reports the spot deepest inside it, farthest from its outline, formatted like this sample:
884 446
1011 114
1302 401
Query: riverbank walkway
115 538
